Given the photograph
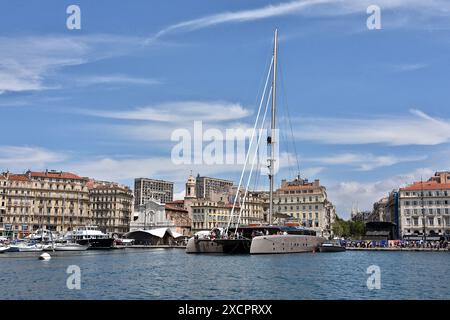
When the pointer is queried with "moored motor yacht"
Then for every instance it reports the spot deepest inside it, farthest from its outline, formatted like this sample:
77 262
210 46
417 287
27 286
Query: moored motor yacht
68 246
91 236
332 246
25 247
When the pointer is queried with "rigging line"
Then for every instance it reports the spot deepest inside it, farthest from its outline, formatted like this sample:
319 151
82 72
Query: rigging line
284 97
253 162
250 145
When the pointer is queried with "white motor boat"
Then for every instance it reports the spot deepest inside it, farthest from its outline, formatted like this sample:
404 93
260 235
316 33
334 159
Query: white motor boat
70 247
26 247
4 249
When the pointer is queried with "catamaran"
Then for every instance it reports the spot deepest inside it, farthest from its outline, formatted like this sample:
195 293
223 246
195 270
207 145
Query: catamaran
260 239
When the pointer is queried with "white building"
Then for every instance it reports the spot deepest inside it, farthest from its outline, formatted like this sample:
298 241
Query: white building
149 216
425 207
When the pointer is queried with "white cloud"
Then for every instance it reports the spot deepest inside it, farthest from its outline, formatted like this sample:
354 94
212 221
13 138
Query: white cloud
308 7
415 129
363 194
27 62
22 158
184 112
115 79
365 162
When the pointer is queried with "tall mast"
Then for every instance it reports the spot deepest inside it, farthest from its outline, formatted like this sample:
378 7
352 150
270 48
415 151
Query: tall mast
272 134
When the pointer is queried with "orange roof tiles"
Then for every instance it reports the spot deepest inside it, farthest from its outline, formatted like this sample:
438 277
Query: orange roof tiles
429 185
56 175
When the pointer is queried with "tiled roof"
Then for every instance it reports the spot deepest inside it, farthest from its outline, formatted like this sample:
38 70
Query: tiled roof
18 177
174 208
429 185
56 175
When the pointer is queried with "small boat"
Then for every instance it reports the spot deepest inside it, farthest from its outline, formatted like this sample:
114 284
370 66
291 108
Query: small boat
331 246
25 247
70 247
4 249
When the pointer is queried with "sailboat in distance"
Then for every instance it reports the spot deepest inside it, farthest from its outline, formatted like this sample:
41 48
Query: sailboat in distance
264 238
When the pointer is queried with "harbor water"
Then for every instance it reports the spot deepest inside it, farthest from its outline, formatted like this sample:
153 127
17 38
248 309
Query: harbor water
173 274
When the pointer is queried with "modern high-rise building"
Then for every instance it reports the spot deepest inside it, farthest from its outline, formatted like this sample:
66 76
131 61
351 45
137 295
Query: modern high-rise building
152 189
207 186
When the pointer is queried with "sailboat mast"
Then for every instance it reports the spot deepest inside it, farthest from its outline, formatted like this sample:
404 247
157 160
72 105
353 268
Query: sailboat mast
272 134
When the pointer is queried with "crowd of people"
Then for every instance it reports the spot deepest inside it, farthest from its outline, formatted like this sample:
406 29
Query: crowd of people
442 244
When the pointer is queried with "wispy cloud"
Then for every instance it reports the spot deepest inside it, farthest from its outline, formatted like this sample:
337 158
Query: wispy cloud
115 79
175 112
409 67
367 161
26 63
307 7
23 157
416 129
347 193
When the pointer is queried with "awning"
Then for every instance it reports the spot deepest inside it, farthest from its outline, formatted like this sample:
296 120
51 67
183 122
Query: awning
158 232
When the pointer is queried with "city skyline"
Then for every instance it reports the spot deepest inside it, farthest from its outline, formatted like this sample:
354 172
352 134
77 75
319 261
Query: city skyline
368 106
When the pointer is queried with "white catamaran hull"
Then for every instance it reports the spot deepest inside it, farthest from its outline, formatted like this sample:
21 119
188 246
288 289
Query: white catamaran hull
290 243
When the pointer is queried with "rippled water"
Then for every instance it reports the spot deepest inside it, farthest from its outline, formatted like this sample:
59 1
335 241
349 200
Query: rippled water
172 274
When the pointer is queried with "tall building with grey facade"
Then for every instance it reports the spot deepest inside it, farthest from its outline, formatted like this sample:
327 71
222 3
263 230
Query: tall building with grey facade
148 189
206 186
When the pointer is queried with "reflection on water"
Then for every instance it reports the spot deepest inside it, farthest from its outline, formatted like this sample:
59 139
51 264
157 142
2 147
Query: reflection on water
172 274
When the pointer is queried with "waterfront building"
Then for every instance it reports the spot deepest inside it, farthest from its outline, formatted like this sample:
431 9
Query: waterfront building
209 202
255 208
111 206
176 213
305 202
150 215
210 214
207 187
53 200
379 210
61 201
363 216
425 208
152 189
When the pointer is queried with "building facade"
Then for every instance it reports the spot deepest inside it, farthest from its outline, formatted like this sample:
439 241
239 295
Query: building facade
52 200
305 202
207 215
425 209
152 189
61 202
150 216
111 206
206 187
176 213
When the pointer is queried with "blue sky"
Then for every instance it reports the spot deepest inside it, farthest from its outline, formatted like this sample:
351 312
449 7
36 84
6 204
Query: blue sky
369 107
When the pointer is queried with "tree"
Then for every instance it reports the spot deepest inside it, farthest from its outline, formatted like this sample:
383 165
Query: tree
348 229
